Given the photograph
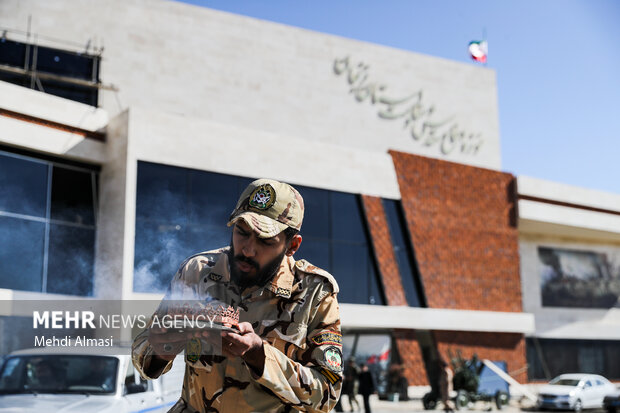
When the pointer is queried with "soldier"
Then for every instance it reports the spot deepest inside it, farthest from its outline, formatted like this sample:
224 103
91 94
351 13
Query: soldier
288 351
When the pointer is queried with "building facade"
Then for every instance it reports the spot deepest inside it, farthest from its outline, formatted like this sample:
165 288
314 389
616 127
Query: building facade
113 173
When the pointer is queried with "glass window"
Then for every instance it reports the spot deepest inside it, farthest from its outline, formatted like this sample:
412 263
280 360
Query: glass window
21 254
551 357
409 274
59 374
212 198
316 202
315 251
47 229
71 259
346 218
351 271
53 61
162 193
340 244
72 196
180 212
23 186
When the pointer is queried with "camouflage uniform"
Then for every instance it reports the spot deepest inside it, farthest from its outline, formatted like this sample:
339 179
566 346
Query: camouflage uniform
297 316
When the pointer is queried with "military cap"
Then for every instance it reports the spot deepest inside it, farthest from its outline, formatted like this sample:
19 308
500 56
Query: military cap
269 207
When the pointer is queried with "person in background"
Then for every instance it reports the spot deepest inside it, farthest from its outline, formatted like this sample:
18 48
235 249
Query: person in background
367 386
351 383
445 385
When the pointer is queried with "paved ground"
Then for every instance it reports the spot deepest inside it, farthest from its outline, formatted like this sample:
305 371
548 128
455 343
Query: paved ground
415 406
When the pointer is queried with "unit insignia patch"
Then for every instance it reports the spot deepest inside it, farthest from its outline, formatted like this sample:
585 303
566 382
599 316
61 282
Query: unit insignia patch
263 197
333 358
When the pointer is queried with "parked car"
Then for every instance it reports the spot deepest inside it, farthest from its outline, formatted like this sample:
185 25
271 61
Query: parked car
575 392
611 402
74 379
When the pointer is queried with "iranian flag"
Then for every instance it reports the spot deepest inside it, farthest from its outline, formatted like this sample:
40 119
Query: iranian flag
478 50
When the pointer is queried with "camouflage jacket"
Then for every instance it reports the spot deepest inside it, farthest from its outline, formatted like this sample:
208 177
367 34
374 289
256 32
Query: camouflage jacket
297 316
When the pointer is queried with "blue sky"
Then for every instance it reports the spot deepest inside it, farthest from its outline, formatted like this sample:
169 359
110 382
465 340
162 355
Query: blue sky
557 65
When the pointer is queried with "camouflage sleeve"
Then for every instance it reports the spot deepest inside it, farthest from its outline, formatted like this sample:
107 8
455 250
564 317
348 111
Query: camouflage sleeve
313 384
141 350
142 357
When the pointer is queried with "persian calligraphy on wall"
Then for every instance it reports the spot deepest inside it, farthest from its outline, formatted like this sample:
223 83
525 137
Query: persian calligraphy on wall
426 125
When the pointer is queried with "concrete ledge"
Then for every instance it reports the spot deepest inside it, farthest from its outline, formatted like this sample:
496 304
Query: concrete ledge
554 191
49 140
358 316
540 218
53 108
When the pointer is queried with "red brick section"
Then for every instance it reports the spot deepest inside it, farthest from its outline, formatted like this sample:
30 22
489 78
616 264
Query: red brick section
496 347
461 221
406 342
384 251
411 357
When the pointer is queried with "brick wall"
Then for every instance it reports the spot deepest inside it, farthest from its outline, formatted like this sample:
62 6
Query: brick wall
406 342
493 346
462 225
384 250
411 357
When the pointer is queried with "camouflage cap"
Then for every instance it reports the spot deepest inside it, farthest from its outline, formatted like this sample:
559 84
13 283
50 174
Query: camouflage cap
269 207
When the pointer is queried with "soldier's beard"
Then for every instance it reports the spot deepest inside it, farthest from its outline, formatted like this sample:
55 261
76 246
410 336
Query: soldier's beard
262 275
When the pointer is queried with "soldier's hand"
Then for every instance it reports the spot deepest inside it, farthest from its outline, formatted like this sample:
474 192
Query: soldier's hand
246 344
167 343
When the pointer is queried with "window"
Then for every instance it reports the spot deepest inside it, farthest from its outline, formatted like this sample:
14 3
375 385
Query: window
47 225
548 358
336 239
180 212
403 250
25 60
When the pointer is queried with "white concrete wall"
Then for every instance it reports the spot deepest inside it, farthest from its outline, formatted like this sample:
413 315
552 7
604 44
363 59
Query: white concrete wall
542 224
205 145
36 137
565 322
181 59
359 316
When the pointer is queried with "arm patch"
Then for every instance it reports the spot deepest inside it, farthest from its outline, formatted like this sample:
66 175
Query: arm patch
328 337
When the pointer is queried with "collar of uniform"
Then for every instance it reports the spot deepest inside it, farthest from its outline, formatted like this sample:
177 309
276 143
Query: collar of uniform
221 267
282 282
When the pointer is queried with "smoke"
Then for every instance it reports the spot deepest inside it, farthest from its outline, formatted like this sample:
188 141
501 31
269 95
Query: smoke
174 222
158 255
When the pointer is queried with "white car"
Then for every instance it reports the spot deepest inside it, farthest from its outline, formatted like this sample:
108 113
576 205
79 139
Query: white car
80 380
575 392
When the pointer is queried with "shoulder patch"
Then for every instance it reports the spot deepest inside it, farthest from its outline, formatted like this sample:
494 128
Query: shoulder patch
306 267
333 359
328 337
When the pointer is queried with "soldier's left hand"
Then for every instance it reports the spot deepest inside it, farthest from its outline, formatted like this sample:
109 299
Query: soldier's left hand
246 344
238 344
